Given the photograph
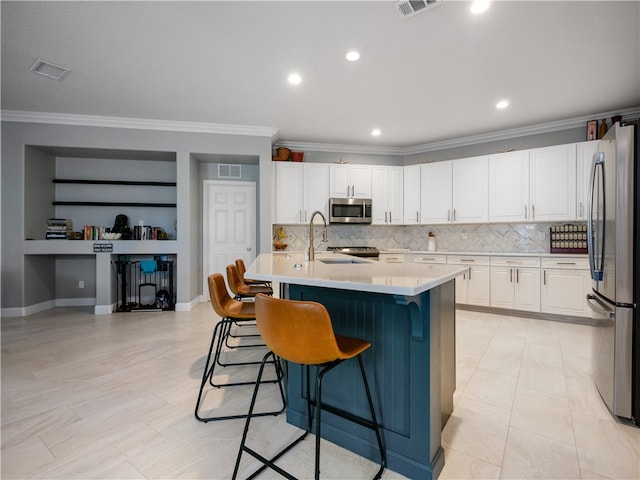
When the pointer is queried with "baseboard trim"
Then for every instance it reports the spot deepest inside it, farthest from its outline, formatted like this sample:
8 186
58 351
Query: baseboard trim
523 313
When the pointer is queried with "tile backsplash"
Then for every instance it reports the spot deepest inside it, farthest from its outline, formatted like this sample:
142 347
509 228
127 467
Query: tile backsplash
492 237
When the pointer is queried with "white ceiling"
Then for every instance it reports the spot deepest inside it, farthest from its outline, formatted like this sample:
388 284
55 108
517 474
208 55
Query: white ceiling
427 78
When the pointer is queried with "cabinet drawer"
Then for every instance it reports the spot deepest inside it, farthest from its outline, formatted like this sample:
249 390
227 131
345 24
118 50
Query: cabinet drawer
441 259
391 257
468 260
515 262
566 262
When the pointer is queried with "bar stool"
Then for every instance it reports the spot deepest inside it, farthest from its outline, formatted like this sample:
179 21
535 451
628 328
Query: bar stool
242 270
231 312
301 332
242 290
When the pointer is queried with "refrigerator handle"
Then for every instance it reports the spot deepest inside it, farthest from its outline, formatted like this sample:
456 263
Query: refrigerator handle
597 307
596 270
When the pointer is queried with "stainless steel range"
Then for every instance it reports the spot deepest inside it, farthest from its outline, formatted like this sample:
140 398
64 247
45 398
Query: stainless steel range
356 251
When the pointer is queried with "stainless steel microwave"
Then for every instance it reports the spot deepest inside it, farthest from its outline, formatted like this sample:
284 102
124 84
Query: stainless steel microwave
350 210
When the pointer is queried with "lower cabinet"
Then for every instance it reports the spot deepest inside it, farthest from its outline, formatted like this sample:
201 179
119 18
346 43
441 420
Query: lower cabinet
565 284
515 283
473 287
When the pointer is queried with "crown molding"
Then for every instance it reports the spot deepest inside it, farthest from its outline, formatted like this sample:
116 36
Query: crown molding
540 128
135 123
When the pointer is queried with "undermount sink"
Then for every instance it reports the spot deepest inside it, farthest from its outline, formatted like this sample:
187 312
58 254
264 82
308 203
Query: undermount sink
341 260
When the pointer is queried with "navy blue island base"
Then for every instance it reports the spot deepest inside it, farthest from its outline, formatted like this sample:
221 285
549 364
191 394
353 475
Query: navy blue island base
411 370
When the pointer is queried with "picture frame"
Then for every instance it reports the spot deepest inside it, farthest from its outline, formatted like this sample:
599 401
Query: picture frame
592 130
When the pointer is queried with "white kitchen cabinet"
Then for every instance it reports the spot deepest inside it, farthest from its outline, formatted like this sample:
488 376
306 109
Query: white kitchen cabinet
436 180
387 195
350 181
584 157
473 287
552 183
301 188
429 258
411 194
509 186
470 190
515 283
565 284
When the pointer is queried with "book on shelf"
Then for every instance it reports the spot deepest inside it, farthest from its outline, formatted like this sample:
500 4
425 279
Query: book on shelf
58 228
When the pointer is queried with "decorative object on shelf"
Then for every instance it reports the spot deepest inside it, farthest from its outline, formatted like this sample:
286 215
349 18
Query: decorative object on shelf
282 155
59 229
568 238
297 156
603 128
103 246
592 130
111 236
280 235
615 119
121 225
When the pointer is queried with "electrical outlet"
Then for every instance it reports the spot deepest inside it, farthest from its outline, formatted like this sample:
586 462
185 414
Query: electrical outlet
541 235
464 236
81 284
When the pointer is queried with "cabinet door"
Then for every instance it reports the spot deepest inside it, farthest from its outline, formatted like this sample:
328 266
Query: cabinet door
340 181
316 189
564 291
508 187
289 188
552 177
395 199
411 193
584 152
360 178
527 289
478 287
436 192
502 287
386 195
461 289
379 211
471 190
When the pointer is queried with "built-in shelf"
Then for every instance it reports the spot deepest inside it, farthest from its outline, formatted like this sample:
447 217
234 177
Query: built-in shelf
116 204
114 182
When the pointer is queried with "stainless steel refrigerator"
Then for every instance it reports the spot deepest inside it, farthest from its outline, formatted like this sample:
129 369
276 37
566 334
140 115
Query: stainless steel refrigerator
613 240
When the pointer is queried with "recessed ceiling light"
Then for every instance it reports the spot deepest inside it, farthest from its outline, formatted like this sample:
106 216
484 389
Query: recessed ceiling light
480 6
502 104
48 69
376 132
353 56
295 79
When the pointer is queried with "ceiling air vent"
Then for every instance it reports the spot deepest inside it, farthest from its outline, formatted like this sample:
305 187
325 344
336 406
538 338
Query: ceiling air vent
48 69
407 8
229 171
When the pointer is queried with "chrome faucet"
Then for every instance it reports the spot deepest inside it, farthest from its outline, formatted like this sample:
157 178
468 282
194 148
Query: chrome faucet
312 254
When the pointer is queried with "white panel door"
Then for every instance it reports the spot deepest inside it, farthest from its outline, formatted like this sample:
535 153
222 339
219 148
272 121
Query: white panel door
553 183
509 187
229 226
435 193
471 190
585 152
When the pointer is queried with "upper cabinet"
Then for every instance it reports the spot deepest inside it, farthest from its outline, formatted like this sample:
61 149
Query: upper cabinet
350 181
455 191
471 190
584 153
533 185
508 186
387 195
301 189
412 194
552 183
436 193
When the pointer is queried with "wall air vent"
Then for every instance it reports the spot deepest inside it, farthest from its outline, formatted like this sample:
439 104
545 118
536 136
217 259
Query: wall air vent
229 171
408 8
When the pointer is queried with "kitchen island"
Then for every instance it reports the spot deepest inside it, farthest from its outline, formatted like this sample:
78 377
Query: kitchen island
407 312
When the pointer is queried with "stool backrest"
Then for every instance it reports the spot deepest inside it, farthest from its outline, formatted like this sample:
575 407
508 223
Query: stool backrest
240 267
237 286
220 299
297 331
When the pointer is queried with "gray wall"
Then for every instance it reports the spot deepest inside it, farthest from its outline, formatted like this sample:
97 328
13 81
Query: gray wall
29 280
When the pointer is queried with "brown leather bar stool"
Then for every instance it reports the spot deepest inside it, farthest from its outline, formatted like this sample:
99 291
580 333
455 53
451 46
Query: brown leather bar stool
242 290
241 273
231 312
301 332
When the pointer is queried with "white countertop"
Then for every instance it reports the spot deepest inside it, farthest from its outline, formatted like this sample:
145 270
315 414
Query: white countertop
486 254
366 275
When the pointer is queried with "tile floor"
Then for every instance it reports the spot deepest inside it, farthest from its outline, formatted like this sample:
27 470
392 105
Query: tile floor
112 397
